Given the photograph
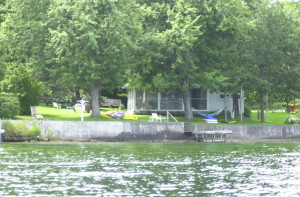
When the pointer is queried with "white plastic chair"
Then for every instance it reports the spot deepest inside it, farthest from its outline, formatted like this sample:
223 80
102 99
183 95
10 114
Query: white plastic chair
156 117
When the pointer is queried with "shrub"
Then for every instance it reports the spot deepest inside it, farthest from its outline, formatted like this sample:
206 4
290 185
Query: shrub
247 111
297 111
20 79
293 120
8 127
34 131
14 130
49 135
9 106
287 121
20 129
121 107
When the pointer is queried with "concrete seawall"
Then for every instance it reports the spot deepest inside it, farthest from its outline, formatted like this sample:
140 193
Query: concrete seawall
256 132
140 131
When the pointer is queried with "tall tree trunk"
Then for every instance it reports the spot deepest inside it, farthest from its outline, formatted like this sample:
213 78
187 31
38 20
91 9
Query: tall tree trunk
188 113
262 109
95 101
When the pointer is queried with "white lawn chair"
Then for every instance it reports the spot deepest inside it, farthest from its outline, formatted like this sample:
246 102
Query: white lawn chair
156 118
56 105
34 113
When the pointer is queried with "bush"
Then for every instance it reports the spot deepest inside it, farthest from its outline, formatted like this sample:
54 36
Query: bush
49 135
247 111
9 106
20 129
297 111
293 120
121 107
14 130
8 127
20 79
34 131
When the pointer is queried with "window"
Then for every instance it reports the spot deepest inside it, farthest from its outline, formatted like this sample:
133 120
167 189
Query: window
171 101
222 95
149 101
199 99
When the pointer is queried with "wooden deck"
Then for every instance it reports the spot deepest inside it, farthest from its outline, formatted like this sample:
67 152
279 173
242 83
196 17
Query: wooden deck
213 136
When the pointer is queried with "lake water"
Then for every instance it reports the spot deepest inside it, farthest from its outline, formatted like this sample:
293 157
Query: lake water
150 169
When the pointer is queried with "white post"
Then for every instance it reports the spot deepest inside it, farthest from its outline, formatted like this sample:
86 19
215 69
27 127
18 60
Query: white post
167 116
82 102
82 107
241 103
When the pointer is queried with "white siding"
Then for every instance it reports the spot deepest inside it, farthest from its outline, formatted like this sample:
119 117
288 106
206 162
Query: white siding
215 103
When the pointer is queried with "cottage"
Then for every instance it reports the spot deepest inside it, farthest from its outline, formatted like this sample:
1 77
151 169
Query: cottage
202 100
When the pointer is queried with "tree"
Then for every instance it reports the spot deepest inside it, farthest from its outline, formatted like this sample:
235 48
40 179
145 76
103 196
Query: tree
268 61
288 89
22 46
73 44
191 47
92 42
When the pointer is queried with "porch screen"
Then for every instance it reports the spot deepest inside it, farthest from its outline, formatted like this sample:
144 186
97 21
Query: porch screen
149 101
199 99
171 101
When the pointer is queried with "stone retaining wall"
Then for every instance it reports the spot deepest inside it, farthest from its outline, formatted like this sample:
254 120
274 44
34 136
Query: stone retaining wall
154 131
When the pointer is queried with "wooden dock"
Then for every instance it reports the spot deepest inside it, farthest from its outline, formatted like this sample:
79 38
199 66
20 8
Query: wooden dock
213 136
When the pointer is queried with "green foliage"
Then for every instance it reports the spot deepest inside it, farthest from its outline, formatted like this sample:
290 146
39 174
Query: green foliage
187 44
269 62
121 107
21 81
102 36
2 10
292 120
49 135
9 106
14 130
34 131
287 121
297 111
247 111
8 127
20 129
167 45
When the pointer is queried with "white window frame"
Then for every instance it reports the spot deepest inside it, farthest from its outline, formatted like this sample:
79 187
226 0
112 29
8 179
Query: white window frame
222 96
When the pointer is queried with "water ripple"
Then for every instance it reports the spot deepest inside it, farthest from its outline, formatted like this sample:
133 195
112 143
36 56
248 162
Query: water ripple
166 169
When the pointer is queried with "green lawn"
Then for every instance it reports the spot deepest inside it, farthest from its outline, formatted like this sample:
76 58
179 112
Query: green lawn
50 113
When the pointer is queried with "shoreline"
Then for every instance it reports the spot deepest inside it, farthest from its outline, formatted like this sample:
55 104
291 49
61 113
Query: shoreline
89 131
